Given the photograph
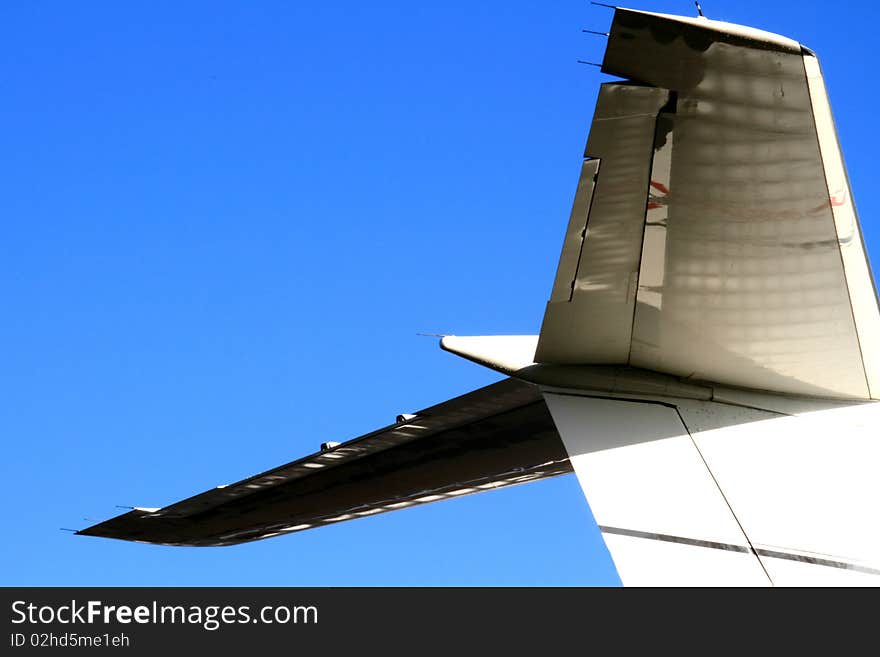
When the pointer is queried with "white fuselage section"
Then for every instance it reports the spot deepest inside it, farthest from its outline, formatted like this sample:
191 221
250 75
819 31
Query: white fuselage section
747 489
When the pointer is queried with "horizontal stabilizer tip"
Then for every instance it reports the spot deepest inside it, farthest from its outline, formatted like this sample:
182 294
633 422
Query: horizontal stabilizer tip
503 353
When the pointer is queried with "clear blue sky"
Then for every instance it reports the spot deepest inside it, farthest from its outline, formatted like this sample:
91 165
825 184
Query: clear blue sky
224 224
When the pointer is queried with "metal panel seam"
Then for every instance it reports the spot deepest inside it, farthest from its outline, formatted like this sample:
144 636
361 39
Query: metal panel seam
724 497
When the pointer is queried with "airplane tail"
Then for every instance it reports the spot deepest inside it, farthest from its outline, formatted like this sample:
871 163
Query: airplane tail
709 361
711 345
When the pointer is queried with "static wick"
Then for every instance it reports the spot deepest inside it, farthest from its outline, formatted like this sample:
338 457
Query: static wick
602 4
67 529
124 506
604 34
581 61
699 8
433 335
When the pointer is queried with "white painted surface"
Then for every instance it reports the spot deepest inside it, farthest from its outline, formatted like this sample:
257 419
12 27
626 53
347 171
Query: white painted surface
641 473
503 353
644 562
787 572
804 484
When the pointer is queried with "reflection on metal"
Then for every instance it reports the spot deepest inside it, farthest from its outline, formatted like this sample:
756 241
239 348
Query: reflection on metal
653 264
595 325
572 245
741 263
